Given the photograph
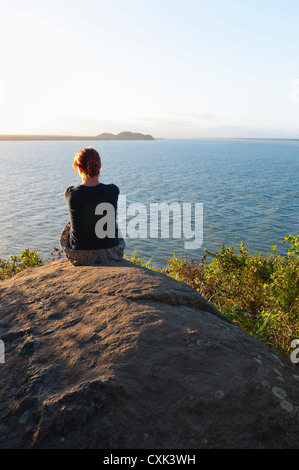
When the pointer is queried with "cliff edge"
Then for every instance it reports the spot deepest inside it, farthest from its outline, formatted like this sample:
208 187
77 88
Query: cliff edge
121 357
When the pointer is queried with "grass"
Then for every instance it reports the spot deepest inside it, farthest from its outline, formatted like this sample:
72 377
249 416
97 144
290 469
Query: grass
260 293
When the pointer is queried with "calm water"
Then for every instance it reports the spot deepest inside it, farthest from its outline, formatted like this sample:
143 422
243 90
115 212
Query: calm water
249 190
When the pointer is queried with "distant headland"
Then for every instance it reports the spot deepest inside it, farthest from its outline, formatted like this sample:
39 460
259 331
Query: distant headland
104 136
125 136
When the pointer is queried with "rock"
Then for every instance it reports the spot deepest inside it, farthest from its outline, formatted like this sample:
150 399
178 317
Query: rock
121 357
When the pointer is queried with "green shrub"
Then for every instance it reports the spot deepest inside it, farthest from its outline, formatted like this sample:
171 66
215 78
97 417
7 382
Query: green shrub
259 293
15 264
140 262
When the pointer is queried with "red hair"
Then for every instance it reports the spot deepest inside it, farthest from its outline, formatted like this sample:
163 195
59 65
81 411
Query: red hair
88 161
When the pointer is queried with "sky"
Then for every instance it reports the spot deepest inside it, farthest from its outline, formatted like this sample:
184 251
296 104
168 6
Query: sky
169 68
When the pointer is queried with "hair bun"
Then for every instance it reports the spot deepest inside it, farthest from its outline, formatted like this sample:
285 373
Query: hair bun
89 161
92 167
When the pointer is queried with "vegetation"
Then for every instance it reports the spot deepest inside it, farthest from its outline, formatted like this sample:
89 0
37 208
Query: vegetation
260 293
27 258
15 264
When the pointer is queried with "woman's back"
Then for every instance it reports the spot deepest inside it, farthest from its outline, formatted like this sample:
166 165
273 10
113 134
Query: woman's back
82 203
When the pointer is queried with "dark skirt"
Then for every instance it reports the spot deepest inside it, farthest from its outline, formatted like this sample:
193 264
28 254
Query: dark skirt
89 257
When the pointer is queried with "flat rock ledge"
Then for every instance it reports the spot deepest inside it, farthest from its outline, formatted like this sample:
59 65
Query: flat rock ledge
122 357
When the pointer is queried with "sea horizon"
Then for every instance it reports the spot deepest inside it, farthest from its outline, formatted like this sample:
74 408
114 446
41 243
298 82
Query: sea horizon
61 137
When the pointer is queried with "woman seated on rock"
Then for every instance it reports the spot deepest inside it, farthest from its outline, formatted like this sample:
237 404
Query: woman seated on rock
86 239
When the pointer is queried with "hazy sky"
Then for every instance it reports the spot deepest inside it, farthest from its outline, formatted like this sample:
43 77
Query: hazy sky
170 68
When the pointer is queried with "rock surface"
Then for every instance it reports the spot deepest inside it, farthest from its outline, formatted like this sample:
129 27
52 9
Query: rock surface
121 357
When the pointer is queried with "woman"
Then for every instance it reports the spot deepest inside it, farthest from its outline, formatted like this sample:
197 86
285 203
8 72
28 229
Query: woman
80 240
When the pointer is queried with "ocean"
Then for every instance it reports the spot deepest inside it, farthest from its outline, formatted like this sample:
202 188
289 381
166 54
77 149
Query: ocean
247 191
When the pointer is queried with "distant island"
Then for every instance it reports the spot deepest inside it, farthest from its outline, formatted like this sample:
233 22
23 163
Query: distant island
104 136
125 136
